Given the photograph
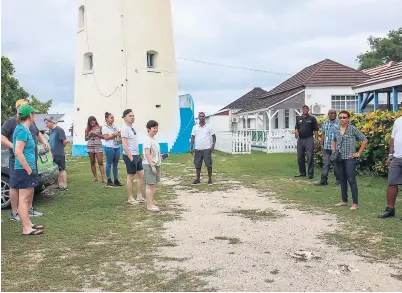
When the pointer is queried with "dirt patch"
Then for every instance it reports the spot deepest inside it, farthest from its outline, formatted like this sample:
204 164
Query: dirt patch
275 255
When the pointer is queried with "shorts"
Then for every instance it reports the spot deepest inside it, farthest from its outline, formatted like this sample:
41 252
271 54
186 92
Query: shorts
395 172
133 166
60 161
21 180
203 155
151 178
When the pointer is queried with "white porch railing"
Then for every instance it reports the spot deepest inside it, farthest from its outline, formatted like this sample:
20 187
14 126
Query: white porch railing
242 142
238 142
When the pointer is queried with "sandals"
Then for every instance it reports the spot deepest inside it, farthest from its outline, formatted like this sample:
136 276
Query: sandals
34 233
154 209
38 227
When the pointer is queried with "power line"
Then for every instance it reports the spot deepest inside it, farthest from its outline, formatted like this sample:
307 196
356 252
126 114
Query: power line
232 66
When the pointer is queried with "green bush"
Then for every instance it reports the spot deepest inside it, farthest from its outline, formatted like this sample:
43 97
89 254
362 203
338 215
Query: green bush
377 127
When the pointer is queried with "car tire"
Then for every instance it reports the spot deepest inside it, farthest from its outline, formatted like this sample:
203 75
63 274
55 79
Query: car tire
5 192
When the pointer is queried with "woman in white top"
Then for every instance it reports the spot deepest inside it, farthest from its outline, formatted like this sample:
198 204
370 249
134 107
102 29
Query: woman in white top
152 162
112 142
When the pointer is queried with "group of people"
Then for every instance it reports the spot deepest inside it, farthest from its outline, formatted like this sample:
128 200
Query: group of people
339 141
20 135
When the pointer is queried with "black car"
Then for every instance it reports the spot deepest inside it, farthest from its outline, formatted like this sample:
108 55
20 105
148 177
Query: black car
47 171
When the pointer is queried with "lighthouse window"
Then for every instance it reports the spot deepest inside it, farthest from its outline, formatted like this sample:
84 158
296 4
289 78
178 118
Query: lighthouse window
150 60
88 63
81 17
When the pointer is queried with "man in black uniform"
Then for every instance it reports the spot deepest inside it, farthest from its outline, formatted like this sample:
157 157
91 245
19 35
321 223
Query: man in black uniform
306 130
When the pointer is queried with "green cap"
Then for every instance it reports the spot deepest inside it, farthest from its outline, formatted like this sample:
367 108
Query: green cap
26 110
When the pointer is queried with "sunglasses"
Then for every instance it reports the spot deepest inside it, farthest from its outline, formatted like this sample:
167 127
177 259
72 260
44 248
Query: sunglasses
343 117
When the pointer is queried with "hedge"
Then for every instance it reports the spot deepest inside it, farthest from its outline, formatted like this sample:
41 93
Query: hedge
377 127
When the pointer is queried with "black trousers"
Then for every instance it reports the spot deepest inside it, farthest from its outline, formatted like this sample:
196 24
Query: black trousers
347 174
305 146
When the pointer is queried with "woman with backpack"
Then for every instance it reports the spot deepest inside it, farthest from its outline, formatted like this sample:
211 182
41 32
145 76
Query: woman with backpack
112 142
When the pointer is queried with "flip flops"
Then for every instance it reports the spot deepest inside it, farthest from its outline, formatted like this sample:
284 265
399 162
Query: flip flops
38 227
34 233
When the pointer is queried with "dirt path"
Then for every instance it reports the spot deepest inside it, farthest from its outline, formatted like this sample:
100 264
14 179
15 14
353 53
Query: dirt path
251 251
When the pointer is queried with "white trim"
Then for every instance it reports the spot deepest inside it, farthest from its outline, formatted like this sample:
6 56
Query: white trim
377 86
284 100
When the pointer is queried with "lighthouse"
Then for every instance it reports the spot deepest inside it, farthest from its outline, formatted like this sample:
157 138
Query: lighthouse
125 59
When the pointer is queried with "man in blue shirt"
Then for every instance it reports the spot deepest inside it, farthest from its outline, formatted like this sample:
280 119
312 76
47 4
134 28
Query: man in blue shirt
326 140
58 141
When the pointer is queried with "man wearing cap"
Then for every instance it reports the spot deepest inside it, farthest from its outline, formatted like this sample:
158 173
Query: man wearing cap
58 141
306 130
7 131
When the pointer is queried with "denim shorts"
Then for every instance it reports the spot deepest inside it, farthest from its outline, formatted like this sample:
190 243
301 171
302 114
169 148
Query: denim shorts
21 180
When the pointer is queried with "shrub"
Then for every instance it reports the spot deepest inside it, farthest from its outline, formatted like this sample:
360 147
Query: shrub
377 127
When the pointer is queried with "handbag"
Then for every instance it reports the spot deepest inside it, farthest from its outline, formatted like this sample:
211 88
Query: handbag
337 156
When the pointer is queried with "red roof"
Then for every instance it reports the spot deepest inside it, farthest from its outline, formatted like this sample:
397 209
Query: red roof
378 69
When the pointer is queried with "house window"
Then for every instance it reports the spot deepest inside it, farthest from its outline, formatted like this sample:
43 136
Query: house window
248 123
88 63
151 59
286 118
276 122
244 123
81 17
340 103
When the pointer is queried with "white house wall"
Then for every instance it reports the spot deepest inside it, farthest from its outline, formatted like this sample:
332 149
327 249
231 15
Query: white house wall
119 34
322 96
219 123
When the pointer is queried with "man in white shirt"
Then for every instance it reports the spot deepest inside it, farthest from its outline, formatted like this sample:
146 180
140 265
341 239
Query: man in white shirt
395 168
131 157
203 141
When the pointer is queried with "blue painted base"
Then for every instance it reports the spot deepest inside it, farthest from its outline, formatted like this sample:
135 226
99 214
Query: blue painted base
81 150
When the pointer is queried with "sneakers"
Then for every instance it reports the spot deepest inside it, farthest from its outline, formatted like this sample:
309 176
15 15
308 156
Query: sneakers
300 175
61 188
117 182
34 213
197 181
341 204
321 183
387 213
110 183
210 181
15 217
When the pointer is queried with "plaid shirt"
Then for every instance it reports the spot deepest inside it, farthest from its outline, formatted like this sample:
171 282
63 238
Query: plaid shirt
327 131
346 143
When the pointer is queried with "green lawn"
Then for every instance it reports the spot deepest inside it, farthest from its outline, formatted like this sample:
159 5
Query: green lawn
93 240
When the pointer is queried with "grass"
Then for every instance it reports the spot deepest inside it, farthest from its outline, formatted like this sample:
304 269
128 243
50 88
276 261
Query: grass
92 241
232 240
361 230
258 215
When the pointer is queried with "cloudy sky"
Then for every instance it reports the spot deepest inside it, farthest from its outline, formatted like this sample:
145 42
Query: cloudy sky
276 36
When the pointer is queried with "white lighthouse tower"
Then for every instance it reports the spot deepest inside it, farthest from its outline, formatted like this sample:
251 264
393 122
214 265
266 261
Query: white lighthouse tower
125 59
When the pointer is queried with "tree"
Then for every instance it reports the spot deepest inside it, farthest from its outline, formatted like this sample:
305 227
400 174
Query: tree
11 92
382 50
42 107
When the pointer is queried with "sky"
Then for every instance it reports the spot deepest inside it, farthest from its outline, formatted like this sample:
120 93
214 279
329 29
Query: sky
275 36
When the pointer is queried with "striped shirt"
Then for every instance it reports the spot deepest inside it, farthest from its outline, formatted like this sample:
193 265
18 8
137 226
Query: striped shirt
328 132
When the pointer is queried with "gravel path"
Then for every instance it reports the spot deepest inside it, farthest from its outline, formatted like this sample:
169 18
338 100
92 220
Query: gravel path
282 253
